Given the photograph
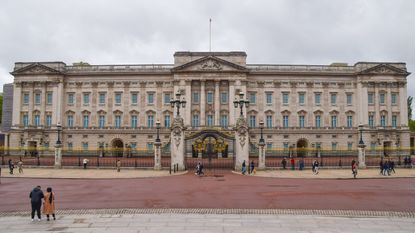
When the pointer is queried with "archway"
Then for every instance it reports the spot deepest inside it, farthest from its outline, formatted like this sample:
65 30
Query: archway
302 145
117 147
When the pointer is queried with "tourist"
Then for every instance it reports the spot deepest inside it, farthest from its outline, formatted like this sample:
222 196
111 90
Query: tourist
11 166
36 200
315 169
197 169
284 163
354 168
381 166
20 166
252 167
409 162
243 168
301 164
386 168
201 169
118 165
85 162
292 161
392 166
49 204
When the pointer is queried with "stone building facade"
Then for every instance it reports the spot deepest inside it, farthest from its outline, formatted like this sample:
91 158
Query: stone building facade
117 106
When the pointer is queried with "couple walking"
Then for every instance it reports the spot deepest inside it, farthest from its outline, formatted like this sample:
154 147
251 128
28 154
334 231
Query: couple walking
36 196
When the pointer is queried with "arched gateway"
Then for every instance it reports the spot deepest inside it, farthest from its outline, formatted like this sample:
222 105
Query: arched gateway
117 147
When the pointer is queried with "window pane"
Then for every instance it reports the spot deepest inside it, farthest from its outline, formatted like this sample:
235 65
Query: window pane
49 98
317 98
150 98
349 99
224 97
210 98
167 98
252 98
134 98
195 97
333 99
269 98
285 98
102 98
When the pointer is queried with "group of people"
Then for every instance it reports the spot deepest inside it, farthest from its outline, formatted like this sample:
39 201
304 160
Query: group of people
386 167
251 169
407 161
36 196
19 165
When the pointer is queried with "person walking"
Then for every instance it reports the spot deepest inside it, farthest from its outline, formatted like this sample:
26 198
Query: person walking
381 166
118 165
315 167
252 167
354 168
392 166
292 161
301 164
49 204
20 166
11 166
36 196
85 162
243 168
284 163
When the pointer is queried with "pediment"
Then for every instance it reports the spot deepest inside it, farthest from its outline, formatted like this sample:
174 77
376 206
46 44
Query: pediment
384 69
210 64
35 68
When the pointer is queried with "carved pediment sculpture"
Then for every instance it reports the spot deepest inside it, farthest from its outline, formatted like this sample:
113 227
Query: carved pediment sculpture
384 69
35 68
210 64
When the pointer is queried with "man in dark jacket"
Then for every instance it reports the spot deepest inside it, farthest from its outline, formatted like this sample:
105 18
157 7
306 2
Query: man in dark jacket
36 199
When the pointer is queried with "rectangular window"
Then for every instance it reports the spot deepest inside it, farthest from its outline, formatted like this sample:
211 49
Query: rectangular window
134 98
285 98
150 121
210 97
85 146
268 97
285 121
373 146
301 97
394 121
349 98
48 120
167 121
224 121
70 121
101 123
252 98
37 98
71 98
25 120
223 98
349 121
195 98
383 121
49 98
134 121
252 121
317 98
269 121
382 98
86 121
318 121
393 98
269 145
149 146
349 146
301 121
371 121
37 120
133 145
70 146
333 121
195 120
370 98
86 98
26 98
209 120
333 98
101 98
118 97
150 98
117 121
334 146
167 98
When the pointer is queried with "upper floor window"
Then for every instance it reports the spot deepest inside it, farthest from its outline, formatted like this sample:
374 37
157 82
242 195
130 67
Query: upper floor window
48 120
301 121
317 98
85 146
268 96
209 120
37 120
285 98
37 98
333 98
223 98
195 120
26 98
349 99
269 121
71 98
371 121
382 98
134 121
394 98
318 121
333 121
349 121
167 98
118 97
285 121
101 122
252 121
86 98
383 120
224 121
252 98
150 98
166 121
117 121
101 98
334 146
134 98
49 98
210 97
349 146
195 97
69 121
370 99
301 98
25 120
394 121
150 121
86 121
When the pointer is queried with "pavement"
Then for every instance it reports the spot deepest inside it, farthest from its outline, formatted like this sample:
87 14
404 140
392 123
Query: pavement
203 223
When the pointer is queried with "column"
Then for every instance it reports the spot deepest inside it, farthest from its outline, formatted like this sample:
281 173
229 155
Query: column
217 103
17 93
157 156
202 103
58 106
402 104
377 104
362 109
231 117
187 111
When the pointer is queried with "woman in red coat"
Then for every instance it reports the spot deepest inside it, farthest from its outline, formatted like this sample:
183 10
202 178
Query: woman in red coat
49 205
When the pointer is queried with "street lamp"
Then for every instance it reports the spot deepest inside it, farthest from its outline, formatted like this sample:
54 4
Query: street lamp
59 128
261 140
361 134
241 103
178 102
158 130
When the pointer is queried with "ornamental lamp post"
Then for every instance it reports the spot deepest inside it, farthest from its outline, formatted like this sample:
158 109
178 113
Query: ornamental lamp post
241 103
158 131
261 127
59 128
177 102
361 142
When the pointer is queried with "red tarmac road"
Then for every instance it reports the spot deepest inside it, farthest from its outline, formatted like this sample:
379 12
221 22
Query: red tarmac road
228 191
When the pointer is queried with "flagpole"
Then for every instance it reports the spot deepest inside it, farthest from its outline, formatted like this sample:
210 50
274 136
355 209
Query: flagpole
210 35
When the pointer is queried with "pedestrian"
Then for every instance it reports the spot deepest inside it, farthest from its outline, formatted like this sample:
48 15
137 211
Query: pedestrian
197 169
36 196
252 167
11 166
301 164
409 161
49 204
386 168
243 168
284 163
292 161
315 167
381 166
118 165
20 166
392 166
354 168
85 162
201 169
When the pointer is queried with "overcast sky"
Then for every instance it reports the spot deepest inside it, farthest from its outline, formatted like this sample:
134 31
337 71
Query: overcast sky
287 32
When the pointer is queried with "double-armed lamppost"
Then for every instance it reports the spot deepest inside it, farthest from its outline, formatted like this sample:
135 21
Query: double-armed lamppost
361 142
177 102
241 103
158 132
59 128
261 127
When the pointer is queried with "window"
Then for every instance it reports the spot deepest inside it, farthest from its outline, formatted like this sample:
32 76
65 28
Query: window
252 98
167 98
209 120
334 146
268 97
150 121
150 98
71 98
285 98
301 98
48 120
252 121
210 97
333 121
333 98
317 98
195 120
195 98
49 98
370 98
134 98
394 121
301 121
149 146
25 120
285 121
86 121
373 146
37 120
318 121
393 98
101 98
133 145
134 121
382 98
269 121
383 120
167 121
86 98
349 99
118 97
269 145
371 121
224 121
26 98
37 98
349 146
223 98
85 146
70 121
117 121
101 122
349 121
285 146
70 146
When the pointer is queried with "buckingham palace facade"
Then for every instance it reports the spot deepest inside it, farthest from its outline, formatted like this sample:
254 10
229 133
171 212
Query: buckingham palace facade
117 106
